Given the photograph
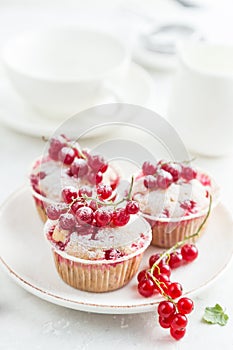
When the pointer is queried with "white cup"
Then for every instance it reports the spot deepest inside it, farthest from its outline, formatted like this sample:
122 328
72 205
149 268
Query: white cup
59 70
201 104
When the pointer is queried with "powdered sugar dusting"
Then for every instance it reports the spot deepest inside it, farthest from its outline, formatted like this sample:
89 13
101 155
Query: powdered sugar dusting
127 239
55 328
134 236
155 202
57 178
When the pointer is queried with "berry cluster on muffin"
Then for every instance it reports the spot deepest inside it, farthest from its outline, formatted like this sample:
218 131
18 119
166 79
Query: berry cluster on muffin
66 164
173 197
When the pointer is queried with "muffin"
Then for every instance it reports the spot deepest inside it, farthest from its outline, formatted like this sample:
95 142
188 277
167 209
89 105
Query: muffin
66 164
174 198
97 246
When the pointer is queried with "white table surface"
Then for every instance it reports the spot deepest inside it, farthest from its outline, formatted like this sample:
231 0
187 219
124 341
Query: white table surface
27 322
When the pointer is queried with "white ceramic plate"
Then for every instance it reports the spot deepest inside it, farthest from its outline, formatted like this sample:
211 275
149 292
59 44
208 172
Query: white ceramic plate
136 88
27 258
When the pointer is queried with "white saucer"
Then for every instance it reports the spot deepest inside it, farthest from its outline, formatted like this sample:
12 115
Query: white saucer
26 256
136 88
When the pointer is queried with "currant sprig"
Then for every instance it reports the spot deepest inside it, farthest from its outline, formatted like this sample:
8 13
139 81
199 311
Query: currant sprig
156 279
105 192
81 208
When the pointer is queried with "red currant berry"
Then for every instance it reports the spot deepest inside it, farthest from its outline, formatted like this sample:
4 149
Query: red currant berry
104 191
175 260
93 205
84 215
104 168
66 155
96 162
174 290
132 207
163 279
172 168
76 205
85 191
189 252
165 322
142 275
177 334
69 193
166 309
76 151
163 282
94 178
150 182
188 173
179 321
164 179
79 167
146 288
98 177
153 259
102 216
204 179
148 168
54 211
120 217
185 305
56 145
163 269
67 221
91 177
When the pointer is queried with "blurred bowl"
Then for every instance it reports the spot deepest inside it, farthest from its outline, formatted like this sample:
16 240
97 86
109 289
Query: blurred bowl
57 70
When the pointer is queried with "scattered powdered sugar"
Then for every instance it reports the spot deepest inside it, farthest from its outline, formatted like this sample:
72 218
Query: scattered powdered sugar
55 328
57 177
123 324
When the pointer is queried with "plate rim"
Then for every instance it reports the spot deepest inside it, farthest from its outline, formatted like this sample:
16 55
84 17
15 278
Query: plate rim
90 306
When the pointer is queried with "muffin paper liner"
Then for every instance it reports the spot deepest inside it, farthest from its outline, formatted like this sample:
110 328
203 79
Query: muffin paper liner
165 234
96 277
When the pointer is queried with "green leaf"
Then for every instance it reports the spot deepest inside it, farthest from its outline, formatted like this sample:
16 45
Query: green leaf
215 315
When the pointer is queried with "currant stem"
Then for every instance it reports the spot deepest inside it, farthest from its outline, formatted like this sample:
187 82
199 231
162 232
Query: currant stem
180 243
129 196
112 204
159 284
